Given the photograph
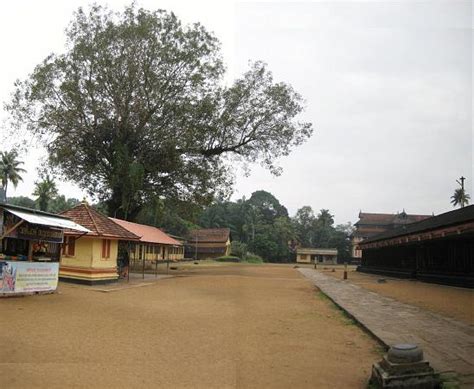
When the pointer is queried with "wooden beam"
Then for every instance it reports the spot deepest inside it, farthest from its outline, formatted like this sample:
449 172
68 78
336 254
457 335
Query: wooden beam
12 229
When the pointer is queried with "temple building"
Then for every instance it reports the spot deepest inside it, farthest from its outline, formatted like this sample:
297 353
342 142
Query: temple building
154 245
371 224
439 249
92 257
208 243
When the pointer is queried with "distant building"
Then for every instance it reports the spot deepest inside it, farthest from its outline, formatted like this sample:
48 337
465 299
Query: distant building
312 255
371 224
208 243
439 249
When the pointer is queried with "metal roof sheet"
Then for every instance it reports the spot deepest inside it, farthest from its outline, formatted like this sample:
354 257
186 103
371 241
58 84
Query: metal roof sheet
50 221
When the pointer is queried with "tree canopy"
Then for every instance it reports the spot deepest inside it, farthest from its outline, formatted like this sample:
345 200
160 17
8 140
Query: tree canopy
136 109
460 197
262 226
45 192
10 171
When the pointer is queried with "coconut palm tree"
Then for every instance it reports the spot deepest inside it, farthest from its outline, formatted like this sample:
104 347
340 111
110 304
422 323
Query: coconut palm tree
46 191
325 218
460 197
10 170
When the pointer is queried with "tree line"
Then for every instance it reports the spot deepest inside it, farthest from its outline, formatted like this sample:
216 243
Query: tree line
262 225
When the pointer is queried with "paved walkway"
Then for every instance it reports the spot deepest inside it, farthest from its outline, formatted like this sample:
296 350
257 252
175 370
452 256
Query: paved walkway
448 344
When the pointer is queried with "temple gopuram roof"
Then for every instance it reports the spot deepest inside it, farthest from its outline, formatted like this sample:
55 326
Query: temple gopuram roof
386 219
445 220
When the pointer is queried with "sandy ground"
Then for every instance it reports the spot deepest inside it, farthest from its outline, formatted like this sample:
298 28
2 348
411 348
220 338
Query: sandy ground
457 303
211 327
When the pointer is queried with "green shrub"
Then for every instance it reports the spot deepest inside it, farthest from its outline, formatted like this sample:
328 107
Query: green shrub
253 258
238 249
228 258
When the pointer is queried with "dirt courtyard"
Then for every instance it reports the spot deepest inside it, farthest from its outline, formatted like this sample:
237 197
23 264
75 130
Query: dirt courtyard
231 326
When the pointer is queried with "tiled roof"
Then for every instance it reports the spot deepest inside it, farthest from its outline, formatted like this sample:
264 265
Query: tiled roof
457 216
210 235
389 218
97 223
146 233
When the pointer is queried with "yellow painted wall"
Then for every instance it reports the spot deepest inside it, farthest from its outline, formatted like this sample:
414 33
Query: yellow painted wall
88 253
82 254
300 258
152 256
88 256
98 261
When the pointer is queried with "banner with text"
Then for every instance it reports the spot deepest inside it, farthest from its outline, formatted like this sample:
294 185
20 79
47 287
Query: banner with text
28 277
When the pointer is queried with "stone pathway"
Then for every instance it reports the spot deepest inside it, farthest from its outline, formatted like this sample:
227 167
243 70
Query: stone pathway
448 344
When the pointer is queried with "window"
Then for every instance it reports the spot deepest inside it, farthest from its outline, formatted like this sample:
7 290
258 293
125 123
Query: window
69 246
303 256
105 248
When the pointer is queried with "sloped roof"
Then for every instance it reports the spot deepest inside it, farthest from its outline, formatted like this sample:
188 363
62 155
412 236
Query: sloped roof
29 210
148 234
97 223
35 216
46 220
210 235
447 219
366 218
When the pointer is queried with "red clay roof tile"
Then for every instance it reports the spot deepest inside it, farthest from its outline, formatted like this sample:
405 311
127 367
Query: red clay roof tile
97 223
146 233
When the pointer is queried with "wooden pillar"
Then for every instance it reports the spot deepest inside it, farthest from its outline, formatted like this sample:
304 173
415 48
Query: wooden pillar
129 252
155 249
143 262
30 250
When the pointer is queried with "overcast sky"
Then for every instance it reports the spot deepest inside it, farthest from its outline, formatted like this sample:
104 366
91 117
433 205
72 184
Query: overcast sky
388 86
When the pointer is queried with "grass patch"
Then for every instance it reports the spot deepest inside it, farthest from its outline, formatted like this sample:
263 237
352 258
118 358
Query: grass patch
449 381
252 258
322 296
228 258
380 349
343 315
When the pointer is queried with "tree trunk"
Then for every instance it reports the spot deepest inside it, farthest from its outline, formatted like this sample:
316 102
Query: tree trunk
116 208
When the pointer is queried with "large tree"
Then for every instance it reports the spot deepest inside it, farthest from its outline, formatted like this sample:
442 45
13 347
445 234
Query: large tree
136 109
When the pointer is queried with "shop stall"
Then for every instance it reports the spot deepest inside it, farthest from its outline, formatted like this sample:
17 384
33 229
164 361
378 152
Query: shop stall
30 248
